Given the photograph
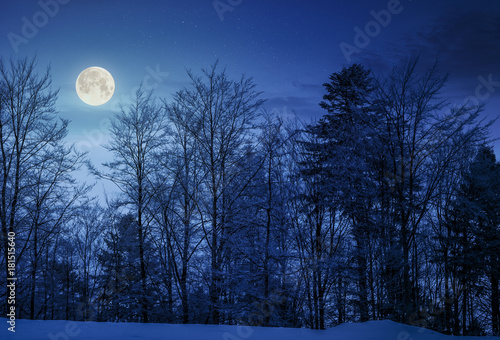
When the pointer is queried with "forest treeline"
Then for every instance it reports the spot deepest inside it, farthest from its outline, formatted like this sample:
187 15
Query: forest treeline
385 208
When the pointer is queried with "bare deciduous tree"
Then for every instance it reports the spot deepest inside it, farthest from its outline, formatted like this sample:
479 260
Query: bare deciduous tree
38 193
221 113
137 134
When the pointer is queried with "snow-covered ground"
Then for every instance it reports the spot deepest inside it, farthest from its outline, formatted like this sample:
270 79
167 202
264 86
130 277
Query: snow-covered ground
68 330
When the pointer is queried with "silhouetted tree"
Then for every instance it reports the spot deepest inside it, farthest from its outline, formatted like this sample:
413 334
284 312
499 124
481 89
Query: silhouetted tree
220 113
137 134
37 192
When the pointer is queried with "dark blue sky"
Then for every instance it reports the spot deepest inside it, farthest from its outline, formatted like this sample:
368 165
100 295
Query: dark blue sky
288 47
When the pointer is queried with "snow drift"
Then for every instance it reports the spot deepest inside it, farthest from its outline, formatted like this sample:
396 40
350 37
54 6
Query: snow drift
69 330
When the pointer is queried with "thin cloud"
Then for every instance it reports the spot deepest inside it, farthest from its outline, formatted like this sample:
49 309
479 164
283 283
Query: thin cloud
466 45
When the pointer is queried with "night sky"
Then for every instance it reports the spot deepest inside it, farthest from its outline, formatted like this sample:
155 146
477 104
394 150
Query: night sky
289 47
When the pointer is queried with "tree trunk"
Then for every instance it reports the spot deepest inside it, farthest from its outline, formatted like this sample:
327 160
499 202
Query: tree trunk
321 307
340 302
495 312
447 299
267 312
33 289
406 277
361 273
267 316
456 319
34 265
169 274
183 283
213 290
144 303
464 311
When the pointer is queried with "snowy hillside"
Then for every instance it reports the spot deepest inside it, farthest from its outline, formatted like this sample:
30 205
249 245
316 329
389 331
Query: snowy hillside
66 330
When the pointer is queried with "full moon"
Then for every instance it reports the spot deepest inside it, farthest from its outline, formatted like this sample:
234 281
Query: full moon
95 86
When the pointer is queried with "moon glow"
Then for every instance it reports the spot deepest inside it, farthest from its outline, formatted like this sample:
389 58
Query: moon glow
95 86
